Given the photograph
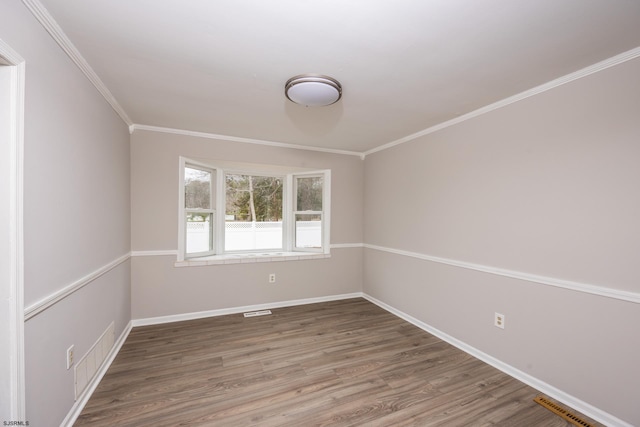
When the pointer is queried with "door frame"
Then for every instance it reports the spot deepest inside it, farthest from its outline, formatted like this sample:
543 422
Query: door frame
16 226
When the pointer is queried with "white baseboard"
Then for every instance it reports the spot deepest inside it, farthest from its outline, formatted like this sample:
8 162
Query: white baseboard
549 390
575 403
235 310
83 398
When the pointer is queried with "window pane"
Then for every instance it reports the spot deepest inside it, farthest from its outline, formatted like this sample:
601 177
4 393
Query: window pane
199 232
197 188
253 212
251 236
309 197
308 231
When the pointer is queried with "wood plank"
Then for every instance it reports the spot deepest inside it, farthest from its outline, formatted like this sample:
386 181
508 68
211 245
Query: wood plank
339 363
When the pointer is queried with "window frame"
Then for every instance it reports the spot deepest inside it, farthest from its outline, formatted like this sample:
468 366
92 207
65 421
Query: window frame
183 210
296 212
219 170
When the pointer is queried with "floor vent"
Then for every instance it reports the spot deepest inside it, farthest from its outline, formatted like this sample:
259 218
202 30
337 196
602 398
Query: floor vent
559 410
257 313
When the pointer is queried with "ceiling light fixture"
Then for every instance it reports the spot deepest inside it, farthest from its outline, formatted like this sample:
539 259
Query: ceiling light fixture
313 90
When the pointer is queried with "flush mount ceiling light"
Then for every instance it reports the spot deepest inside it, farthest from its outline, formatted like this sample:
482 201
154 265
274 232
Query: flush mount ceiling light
313 90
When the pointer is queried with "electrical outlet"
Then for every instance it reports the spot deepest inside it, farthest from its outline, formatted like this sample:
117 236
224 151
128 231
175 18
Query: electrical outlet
498 320
69 357
272 278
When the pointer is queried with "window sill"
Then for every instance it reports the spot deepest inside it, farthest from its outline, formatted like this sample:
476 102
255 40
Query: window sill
250 258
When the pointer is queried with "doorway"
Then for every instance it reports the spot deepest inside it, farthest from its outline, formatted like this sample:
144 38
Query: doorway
12 397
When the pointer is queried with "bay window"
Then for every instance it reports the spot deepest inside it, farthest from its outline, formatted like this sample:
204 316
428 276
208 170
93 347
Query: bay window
229 210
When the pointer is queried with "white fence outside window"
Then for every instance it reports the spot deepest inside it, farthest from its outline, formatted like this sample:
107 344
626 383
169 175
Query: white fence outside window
253 235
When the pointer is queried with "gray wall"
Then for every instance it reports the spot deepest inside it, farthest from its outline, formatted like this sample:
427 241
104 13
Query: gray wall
546 186
159 289
76 212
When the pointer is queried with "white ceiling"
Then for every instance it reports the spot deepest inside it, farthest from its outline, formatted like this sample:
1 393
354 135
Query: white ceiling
219 66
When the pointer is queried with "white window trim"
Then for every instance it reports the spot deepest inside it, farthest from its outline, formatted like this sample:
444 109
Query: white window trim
325 214
182 238
288 251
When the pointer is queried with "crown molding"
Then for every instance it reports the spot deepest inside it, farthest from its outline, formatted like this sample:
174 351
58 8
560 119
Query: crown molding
10 55
206 135
52 27
584 72
602 65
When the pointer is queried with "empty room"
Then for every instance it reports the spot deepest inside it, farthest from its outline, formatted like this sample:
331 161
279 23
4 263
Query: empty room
286 213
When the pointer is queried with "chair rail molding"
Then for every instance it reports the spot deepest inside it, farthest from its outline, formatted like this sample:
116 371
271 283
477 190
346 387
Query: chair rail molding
602 291
40 306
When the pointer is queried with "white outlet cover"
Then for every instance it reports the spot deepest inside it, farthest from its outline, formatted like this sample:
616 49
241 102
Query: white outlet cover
70 357
499 320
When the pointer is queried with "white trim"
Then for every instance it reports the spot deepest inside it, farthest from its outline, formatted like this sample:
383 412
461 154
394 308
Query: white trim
214 189
548 389
288 251
550 281
250 257
82 400
52 27
581 406
236 310
174 252
220 207
326 211
206 135
587 71
602 65
47 21
16 226
346 245
45 303
155 253
288 217
182 238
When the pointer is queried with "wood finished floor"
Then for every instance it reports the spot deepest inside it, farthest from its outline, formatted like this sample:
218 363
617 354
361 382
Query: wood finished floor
341 363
